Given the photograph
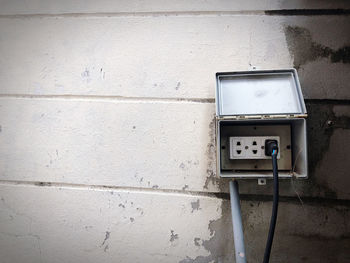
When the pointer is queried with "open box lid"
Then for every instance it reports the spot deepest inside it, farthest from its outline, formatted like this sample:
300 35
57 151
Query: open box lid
259 93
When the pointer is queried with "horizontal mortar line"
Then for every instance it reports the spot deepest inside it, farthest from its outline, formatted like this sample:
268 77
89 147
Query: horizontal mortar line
308 200
138 14
108 98
328 101
316 201
307 12
109 188
276 12
148 99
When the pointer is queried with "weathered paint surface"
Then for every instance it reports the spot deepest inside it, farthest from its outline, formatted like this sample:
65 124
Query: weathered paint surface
107 134
51 224
125 143
168 56
70 224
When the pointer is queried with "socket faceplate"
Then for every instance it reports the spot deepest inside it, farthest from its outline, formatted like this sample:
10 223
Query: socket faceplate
249 147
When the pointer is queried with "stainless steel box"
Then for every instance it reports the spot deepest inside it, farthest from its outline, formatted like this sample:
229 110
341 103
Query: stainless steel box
268 98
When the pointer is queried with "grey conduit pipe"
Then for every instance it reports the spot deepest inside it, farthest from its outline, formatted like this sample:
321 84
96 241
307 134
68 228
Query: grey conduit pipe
237 226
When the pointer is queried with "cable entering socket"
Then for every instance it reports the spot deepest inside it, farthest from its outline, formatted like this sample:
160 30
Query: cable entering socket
271 145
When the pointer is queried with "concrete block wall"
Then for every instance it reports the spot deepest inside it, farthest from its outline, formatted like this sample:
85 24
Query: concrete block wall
107 131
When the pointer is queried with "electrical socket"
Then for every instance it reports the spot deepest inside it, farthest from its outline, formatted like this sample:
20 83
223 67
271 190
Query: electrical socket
249 147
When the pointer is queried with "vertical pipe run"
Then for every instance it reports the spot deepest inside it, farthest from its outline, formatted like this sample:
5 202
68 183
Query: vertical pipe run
237 223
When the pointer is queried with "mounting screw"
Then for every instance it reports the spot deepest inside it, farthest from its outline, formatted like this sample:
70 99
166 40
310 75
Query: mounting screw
261 181
330 123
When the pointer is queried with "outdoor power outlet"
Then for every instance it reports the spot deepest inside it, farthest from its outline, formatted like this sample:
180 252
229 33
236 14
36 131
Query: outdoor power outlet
251 147
250 141
255 106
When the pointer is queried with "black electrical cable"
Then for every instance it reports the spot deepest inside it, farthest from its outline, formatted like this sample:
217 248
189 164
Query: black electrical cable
274 206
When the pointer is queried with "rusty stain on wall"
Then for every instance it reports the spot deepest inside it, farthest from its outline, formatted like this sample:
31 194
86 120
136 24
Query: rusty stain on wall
220 244
322 122
173 236
304 49
212 177
195 205
106 237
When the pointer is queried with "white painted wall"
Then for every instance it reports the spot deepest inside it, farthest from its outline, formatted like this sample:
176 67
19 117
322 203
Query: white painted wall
106 125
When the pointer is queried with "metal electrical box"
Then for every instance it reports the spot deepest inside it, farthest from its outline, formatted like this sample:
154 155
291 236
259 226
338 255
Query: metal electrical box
252 106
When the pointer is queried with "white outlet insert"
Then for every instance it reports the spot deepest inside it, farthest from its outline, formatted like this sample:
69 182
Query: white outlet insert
250 147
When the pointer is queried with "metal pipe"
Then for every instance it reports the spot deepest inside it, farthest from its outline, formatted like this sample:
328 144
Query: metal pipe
237 226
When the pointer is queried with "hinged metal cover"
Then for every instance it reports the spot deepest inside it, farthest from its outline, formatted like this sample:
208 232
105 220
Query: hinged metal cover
259 93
